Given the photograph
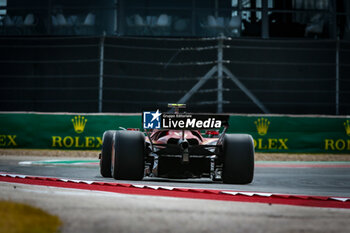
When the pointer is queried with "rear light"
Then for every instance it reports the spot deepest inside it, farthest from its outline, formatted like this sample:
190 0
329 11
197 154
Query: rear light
133 129
212 133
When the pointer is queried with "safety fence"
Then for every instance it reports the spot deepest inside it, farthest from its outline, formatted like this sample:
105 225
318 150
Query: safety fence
271 133
120 74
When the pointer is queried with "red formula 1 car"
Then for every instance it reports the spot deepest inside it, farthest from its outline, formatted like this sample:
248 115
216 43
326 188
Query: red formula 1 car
177 149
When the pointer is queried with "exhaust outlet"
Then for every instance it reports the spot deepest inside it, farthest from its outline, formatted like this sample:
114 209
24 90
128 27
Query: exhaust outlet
184 144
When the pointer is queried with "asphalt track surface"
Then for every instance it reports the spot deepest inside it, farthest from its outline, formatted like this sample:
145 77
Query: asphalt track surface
320 179
96 211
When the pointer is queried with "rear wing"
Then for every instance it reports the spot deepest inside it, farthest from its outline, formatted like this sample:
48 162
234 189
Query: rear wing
183 121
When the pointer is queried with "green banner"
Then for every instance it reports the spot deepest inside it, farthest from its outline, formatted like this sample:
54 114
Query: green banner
84 131
59 131
295 134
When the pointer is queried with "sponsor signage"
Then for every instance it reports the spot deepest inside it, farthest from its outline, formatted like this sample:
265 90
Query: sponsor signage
8 141
84 131
157 120
77 141
339 144
59 131
295 134
264 142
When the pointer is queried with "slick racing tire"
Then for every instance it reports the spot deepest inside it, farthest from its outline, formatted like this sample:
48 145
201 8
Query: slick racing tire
238 155
106 153
128 158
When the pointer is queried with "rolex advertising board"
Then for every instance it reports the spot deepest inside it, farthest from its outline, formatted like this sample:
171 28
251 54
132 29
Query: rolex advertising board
295 134
59 131
290 134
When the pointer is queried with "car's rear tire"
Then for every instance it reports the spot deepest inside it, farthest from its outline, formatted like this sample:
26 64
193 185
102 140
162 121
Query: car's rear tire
128 158
238 155
106 153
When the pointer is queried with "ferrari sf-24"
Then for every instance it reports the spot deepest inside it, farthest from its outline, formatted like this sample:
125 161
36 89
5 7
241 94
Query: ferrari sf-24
178 145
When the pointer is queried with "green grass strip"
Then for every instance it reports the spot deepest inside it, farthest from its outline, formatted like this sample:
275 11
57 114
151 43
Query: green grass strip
65 161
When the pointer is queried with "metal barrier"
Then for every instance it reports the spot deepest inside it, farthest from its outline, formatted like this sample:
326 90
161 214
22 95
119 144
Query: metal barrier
121 74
